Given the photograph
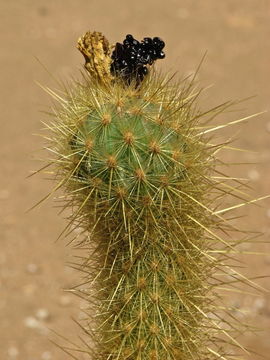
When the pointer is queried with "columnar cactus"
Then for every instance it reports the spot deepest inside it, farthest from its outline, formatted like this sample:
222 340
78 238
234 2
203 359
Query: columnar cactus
138 169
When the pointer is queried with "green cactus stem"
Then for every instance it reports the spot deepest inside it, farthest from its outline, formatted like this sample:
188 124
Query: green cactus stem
139 171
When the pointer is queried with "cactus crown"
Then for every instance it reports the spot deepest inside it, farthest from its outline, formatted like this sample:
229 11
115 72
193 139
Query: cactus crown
139 172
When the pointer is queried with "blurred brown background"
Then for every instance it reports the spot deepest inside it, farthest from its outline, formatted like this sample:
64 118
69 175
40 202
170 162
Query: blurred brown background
236 36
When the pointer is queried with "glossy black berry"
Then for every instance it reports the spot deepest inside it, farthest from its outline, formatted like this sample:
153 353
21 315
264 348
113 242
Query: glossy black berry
131 58
161 55
147 41
129 37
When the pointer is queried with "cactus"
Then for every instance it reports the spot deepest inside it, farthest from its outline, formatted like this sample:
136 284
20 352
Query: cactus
138 168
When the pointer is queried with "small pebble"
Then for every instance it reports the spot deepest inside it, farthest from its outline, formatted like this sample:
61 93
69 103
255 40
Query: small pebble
32 268
77 230
268 213
13 352
46 355
253 174
42 314
259 304
31 322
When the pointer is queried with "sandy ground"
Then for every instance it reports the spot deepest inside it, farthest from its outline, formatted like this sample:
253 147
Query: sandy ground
33 274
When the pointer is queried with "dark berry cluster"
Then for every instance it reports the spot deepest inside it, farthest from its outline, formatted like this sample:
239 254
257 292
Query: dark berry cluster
131 57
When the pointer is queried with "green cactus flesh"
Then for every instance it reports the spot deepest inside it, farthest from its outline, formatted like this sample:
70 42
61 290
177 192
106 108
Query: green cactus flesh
138 171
